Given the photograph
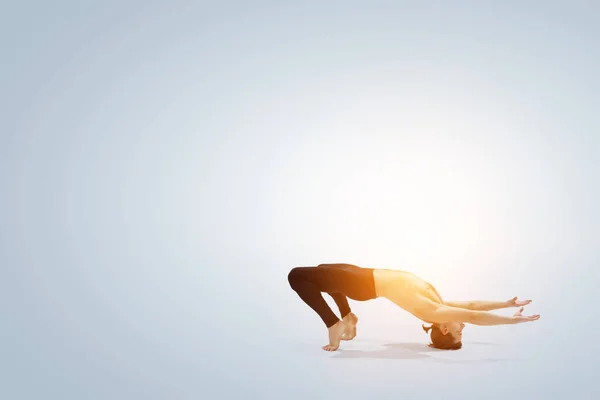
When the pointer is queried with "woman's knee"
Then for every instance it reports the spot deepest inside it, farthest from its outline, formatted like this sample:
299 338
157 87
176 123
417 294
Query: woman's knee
295 276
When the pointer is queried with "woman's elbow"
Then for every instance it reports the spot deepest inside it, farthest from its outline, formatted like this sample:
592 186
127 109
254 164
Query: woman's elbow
476 317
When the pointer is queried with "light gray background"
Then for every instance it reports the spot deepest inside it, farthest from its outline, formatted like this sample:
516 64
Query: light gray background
163 166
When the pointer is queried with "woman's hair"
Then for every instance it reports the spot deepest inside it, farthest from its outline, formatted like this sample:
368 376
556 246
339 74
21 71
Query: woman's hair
441 341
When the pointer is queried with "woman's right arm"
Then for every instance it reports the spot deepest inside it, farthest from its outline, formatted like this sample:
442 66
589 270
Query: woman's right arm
483 305
478 305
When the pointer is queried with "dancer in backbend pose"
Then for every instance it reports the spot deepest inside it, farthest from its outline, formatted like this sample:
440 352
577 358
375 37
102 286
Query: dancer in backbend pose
406 290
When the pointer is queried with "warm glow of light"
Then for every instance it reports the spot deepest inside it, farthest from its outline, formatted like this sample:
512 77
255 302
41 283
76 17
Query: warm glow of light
388 185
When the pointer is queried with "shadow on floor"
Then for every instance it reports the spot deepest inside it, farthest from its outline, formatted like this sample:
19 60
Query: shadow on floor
413 351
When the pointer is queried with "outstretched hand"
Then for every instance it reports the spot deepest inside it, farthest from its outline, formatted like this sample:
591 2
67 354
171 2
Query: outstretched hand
518 317
515 302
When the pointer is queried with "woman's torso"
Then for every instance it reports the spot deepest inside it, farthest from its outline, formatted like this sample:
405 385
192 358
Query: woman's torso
404 289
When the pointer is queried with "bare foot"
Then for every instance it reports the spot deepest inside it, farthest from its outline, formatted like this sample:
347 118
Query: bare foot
350 322
335 335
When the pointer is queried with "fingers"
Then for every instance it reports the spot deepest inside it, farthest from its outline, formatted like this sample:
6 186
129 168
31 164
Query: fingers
516 302
528 318
518 313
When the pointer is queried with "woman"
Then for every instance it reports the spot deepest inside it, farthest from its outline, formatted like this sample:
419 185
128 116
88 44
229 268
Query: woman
402 288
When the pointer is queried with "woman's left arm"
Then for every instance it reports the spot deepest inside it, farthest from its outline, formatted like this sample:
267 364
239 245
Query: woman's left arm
438 313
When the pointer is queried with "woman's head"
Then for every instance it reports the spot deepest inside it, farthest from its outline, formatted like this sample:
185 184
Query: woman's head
446 336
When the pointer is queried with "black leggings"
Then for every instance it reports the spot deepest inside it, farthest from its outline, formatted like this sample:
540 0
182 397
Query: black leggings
339 280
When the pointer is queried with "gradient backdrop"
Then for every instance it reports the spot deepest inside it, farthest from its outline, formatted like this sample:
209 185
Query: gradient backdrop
163 167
